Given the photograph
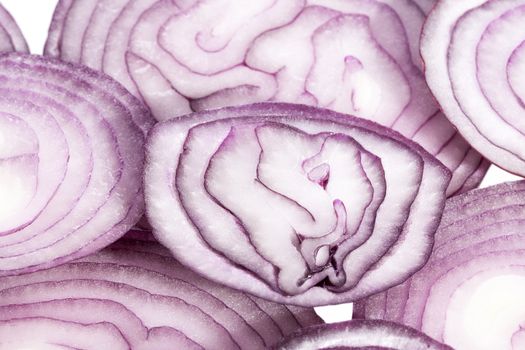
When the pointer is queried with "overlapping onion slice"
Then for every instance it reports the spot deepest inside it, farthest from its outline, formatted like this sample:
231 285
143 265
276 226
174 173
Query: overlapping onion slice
71 161
474 55
134 295
470 293
359 57
360 335
292 203
426 5
11 38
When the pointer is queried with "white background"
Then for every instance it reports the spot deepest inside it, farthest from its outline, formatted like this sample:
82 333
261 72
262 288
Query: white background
34 16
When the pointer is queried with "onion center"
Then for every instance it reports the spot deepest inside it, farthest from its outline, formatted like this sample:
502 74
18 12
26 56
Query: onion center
16 188
489 305
18 165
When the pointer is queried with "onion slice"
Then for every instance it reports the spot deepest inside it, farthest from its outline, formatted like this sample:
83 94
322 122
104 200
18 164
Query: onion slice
470 293
358 57
474 57
426 5
292 203
360 335
71 162
11 38
138 297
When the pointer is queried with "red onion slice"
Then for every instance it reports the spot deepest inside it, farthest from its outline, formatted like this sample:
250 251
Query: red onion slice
359 57
426 5
135 291
14 334
11 38
346 219
72 163
468 294
473 64
360 335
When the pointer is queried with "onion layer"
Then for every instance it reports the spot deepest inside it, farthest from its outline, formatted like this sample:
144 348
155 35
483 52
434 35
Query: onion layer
475 59
359 57
360 335
292 203
11 38
470 293
138 297
71 162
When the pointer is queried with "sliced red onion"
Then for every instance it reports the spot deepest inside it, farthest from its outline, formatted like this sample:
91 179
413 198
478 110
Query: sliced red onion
71 159
138 297
359 57
139 234
11 38
292 203
360 335
426 5
470 293
473 52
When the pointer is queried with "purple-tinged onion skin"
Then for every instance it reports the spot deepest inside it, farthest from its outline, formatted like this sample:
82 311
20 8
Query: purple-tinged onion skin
358 57
474 60
72 161
473 279
320 178
360 335
138 297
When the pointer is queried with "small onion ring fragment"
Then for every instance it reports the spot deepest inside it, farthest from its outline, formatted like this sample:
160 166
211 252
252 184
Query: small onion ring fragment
11 38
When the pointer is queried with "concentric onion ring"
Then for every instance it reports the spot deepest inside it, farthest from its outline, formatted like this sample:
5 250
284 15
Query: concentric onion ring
360 335
71 162
138 297
475 60
292 203
359 57
470 293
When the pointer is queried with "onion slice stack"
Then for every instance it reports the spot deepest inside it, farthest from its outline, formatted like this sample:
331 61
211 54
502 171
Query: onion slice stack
470 293
360 335
358 57
474 53
133 295
292 203
71 161
11 38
